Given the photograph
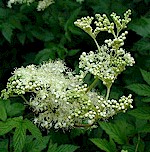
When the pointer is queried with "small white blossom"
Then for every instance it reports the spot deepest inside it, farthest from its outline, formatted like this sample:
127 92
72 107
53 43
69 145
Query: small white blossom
42 4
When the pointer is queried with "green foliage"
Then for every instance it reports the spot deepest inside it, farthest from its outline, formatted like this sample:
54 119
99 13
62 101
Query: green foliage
69 26
104 144
61 148
19 137
141 26
7 31
10 109
141 113
146 76
7 126
28 36
4 145
140 89
20 126
34 145
3 114
142 45
117 131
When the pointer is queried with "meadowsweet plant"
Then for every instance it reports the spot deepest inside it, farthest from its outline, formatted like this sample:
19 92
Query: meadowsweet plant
59 97
42 4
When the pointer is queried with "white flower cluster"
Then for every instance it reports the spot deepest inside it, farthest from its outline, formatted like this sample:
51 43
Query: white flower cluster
102 23
85 24
110 59
60 98
105 65
41 4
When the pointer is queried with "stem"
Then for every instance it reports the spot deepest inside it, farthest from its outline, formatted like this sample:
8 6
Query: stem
115 36
24 99
108 92
137 145
96 44
92 85
83 125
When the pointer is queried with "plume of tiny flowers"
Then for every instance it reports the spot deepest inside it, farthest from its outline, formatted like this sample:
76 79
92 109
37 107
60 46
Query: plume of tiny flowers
60 98
110 59
42 4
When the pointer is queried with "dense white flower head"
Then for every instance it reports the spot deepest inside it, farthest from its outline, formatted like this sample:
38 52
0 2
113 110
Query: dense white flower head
60 98
110 59
104 64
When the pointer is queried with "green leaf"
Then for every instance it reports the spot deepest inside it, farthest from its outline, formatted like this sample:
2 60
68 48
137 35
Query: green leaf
14 20
146 76
45 55
129 148
140 89
140 123
141 113
146 128
141 26
19 137
117 131
29 58
3 115
102 6
52 147
147 1
77 132
72 52
15 109
142 45
7 126
67 148
7 31
28 144
69 26
61 51
3 13
55 137
4 145
61 148
21 38
104 144
42 34
146 99
34 145
33 129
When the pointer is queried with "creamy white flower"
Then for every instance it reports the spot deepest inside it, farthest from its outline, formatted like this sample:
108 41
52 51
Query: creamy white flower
41 4
59 97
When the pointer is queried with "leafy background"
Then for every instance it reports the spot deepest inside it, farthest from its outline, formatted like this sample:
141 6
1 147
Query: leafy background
28 36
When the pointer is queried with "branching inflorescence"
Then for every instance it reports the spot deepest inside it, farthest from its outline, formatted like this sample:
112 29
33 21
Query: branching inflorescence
59 97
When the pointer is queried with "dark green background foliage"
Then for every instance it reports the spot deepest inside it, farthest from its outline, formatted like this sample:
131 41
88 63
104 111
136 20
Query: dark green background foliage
28 36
